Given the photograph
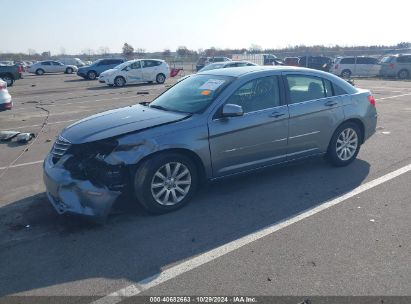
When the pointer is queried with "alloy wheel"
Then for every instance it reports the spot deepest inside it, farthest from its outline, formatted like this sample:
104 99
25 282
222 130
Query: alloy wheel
347 144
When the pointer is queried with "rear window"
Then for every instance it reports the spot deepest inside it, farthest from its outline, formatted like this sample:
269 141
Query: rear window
404 59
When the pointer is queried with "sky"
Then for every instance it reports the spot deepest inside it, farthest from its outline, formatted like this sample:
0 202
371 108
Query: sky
72 26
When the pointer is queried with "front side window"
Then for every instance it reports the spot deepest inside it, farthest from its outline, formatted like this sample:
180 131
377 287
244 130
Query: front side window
46 63
350 60
258 94
304 88
135 65
193 94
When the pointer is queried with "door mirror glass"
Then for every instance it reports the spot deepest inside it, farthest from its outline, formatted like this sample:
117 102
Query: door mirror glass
232 110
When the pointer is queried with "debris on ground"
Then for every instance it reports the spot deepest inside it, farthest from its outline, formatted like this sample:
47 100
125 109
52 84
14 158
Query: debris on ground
386 132
48 140
24 137
372 220
143 92
8 135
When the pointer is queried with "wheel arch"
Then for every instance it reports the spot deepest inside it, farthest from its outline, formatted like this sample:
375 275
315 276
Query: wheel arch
183 151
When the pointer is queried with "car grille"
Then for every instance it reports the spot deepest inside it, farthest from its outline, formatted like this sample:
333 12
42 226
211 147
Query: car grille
60 147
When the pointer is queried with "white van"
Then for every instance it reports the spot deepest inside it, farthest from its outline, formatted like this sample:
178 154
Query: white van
72 61
136 71
356 66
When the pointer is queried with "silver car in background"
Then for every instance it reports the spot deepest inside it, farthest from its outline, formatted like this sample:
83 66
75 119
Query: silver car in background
51 66
210 125
5 98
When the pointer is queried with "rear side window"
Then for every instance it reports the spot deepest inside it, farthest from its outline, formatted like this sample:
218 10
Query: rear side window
366 60
404 59
349 60
258 94
103 62
151 63
304 88
338 90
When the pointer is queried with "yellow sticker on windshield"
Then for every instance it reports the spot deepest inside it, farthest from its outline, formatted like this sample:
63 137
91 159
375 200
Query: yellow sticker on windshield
205 92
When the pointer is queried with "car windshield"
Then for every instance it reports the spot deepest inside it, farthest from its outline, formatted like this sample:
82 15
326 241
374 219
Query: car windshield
193 94
96 62
386 59
122 65
212 67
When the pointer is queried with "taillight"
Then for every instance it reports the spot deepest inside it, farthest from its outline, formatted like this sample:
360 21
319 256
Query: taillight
371 99
336 67
3 86
20 69
392 65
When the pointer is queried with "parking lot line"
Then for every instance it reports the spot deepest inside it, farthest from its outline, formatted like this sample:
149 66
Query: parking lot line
188 265
23 164
395 96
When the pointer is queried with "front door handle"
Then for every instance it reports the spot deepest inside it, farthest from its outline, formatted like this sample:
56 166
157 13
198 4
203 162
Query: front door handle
330 103
276 114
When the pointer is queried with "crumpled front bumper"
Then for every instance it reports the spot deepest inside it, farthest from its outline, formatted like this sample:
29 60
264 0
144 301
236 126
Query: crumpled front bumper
70 195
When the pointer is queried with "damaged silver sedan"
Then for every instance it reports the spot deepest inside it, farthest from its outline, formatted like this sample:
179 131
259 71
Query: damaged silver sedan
208 126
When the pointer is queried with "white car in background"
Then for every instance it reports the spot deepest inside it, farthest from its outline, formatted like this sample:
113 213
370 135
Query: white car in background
136 71
50 66
5 98
356 66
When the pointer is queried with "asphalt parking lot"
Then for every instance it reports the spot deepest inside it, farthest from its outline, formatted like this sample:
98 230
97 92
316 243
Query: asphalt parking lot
360 244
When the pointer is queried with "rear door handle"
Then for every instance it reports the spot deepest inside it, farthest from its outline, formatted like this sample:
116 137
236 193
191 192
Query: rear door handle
331 103
276 114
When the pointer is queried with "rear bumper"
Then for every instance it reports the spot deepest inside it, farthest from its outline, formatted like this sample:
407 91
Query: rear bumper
6 106
69 195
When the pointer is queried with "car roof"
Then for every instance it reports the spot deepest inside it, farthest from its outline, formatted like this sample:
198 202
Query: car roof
240 71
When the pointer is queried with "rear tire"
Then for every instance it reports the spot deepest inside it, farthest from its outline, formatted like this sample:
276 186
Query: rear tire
403 74
91 75
165 182
346 74
160 78
119 81
344 144
69 71
39 72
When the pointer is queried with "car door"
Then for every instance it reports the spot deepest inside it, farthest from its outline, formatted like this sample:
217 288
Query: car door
102 66
134 72
373 67
255 139
46 66
57 67
314 114
148 71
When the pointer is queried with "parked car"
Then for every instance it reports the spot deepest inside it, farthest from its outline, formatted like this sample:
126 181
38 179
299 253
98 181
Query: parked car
72 61
227 64
203 61
10 73
50 66
321 63
136 71
396 66
94 70
6 63
259 59
356 66
5 98
208 126
291 61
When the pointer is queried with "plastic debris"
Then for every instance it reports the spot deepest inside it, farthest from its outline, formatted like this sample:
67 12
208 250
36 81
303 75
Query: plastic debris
8 135
372 220
386 132
24 137
27 226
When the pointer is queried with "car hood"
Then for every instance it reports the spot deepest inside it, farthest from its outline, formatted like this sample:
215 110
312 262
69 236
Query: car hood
84 67
117 122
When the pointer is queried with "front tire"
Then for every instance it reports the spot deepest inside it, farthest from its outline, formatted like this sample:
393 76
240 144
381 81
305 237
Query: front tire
160 78
91 75
39 72
8 79
165 182
346 74
344 145
119 82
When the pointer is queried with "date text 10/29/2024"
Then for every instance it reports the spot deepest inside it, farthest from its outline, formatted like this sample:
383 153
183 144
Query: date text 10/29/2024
203 299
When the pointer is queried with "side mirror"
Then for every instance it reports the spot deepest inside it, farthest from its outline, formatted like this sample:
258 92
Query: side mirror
232 110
